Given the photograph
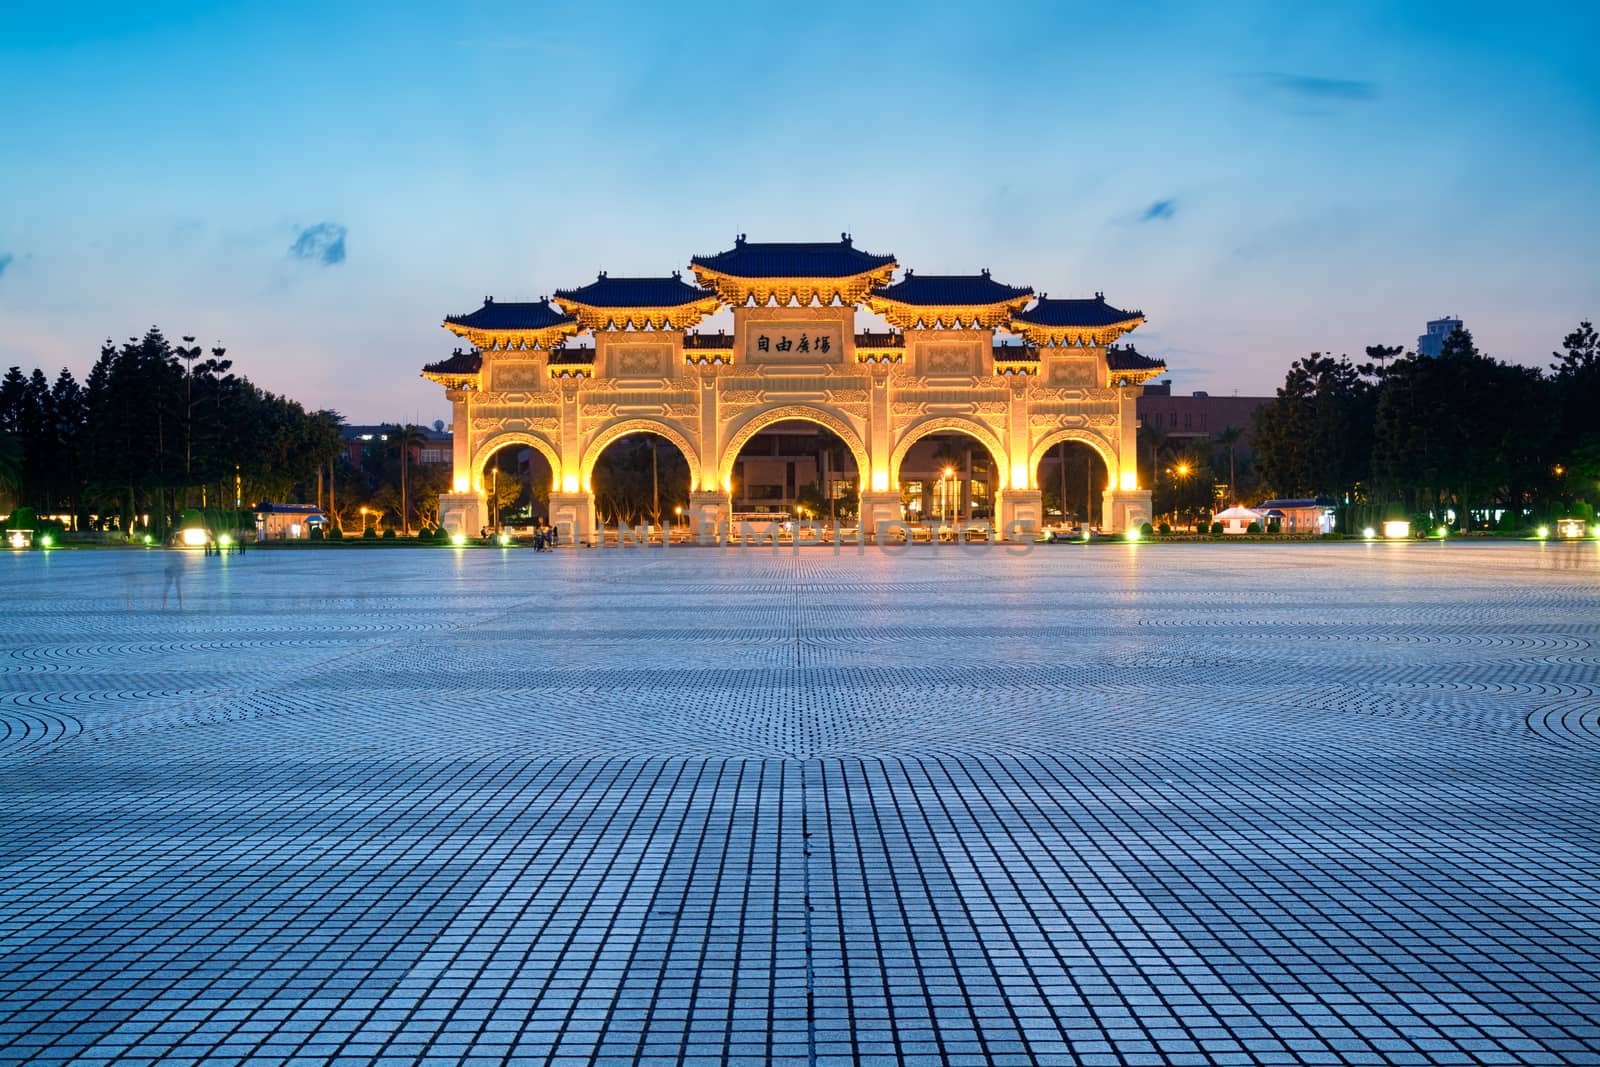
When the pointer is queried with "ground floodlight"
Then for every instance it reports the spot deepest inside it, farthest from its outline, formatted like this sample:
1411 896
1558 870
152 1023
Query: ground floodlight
224 540
458 539
46 541
1132 534
504 539
1369 533
1542 532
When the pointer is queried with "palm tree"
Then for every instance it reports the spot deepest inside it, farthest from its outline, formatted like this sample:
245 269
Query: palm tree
406 438
1229 439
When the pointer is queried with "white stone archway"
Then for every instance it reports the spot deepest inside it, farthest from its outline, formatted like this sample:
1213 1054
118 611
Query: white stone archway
936 424
818 416
615 431
1099 445
491 445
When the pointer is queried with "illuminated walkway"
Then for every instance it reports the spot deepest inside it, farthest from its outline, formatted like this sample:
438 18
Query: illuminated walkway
1242 804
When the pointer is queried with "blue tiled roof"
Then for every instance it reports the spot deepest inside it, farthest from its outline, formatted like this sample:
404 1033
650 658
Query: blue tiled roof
564 355
1016 353
459 363
950 290
1125 358
607 292
1088 313
508 316
709 341
880 340
747 259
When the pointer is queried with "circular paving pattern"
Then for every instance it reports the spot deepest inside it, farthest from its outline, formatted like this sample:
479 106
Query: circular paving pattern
1127 804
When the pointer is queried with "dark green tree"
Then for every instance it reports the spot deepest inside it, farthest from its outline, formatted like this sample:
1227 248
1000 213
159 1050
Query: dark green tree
1460 432
1315 438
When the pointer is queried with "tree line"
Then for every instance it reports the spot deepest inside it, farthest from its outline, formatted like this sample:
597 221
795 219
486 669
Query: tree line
1462 438
154 428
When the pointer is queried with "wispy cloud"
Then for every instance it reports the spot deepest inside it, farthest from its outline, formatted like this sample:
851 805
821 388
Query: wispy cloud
1310 87
1161 209
322 243
5 261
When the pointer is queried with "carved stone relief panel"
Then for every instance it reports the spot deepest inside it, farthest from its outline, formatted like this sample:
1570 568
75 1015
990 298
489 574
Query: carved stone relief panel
515 375
948 357
1073 373
652 360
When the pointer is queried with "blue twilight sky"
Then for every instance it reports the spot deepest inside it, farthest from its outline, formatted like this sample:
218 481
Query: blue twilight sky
316 184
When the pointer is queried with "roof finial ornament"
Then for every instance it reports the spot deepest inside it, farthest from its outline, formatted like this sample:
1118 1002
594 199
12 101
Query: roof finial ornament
844 239
676 275
986 272
739 240
488 300
1098 295
602 276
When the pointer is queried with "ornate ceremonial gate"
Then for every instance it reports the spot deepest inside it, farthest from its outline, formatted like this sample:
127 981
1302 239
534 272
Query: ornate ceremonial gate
794 354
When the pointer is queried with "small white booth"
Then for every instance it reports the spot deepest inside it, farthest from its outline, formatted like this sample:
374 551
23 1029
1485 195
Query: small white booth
1237 520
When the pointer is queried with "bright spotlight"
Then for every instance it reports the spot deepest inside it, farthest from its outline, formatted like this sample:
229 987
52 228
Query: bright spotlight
224 540
46 541
1132 534
194 536
1369 533
458 539
1542 532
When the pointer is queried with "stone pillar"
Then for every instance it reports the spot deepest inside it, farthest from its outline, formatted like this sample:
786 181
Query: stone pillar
880 490
708 478
570 444
877 509
1124 509
1125 504
882 478
461 472
708 516
1020 501
1128 437
1020 506
463 513
572 514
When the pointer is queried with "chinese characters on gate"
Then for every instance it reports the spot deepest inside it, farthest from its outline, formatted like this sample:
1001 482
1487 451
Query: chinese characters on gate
805 344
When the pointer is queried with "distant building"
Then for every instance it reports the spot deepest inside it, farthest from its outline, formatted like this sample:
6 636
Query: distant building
1199 416
1431 343
1300 515
288 522
435 449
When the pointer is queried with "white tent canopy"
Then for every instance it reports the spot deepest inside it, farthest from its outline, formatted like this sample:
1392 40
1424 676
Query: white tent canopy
1238 520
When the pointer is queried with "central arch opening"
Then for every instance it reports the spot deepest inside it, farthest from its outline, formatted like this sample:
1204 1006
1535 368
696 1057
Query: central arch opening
641 478
947 477
797 469
1071 477
516 482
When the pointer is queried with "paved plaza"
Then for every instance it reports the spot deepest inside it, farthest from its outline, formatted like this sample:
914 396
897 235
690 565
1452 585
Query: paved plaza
1114 804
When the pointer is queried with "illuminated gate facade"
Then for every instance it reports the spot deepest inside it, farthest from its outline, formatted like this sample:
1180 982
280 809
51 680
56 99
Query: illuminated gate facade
534 378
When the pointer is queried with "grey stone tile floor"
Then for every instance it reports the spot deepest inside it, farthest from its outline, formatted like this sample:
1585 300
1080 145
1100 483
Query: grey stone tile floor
1317 804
